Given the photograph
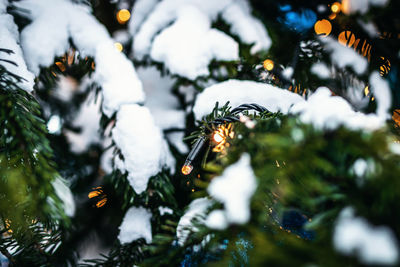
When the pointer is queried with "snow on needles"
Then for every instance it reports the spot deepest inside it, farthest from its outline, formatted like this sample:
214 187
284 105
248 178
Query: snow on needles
136 224
62 20
325 111
344 56
244 92
371 244
9 39
142 145
234 188
179 34
140 141
197 209
322 109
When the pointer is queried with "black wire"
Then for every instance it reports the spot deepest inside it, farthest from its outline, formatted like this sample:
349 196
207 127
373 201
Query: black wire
234 117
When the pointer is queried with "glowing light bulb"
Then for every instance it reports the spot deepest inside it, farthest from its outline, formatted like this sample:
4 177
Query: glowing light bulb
268 64
336 7
346 38
101 202
187 169
323 27
366 90
119 46
123 16
218 137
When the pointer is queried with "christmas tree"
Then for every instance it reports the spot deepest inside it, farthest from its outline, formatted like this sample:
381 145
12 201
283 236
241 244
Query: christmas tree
199 133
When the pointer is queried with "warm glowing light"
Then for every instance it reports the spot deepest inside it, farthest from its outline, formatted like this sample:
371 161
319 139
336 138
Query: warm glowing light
346 6
218 137
332 16
187 169
384 67
61 66
268 64
346 38
396 117
323 27
8 225
366 90
98 192
119 46
101 202
336 7
123 16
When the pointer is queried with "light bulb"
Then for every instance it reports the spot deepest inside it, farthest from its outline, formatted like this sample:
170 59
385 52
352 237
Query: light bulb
218 138
123 16
268 64
187 169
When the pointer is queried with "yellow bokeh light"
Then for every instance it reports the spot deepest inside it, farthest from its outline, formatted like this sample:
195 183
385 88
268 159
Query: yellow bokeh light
366 90
119 46
346 6
323 27
336 7
346 38
218 137
268 64
123 16
61 66
187 169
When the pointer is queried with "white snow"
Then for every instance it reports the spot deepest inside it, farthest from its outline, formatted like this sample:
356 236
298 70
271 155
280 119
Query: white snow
244 92
249 29
188 45
216 220
325 111
197 209
179 34
9 39
141 9
54 124
136 224
165 210
343 56
142 145
65 194
320 70
61 20
234 188
163 105
88 121
360 167
371 244
361 6
382 93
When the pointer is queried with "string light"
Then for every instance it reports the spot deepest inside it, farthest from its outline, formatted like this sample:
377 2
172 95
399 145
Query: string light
346 38
219 137
385 67
336 7
323 27
61 66
187 169
268 64
123 16
98 192
118 46
366 90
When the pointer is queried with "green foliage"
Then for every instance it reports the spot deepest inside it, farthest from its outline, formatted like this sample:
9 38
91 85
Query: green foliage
302 168
29 206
